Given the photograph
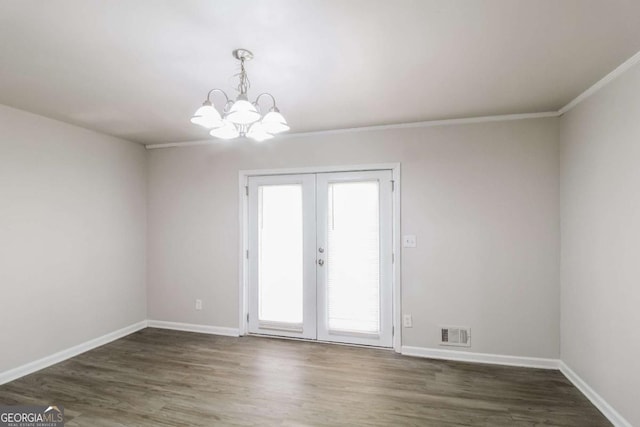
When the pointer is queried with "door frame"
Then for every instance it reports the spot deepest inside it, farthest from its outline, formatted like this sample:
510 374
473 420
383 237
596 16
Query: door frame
243 222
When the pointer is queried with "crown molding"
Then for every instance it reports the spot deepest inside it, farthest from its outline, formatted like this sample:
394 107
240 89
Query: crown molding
601 83
180 144
410 125
430 123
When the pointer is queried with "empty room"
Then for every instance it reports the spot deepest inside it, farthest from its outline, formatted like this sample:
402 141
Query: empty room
319 213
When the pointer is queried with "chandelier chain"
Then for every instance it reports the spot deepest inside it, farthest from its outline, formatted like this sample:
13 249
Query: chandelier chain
244 84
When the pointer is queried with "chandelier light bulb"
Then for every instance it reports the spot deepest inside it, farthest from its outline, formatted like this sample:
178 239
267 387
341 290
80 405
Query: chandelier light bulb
207 116
227 131
243 112
274 122
258 133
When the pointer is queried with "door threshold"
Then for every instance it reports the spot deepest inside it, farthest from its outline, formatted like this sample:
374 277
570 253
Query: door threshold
375 347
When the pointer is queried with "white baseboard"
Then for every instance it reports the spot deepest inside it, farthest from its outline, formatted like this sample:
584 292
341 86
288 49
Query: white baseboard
190 327
494 359
31 367
607 410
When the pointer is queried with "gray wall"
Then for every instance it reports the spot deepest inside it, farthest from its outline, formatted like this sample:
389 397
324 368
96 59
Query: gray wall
482 199
600 189
72 236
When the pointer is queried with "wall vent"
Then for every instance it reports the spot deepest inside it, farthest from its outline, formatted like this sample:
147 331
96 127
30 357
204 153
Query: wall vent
455 336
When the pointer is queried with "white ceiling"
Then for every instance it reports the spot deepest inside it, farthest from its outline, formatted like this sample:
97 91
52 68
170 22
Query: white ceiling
138 69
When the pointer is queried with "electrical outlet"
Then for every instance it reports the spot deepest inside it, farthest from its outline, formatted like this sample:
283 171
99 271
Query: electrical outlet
409 241
407 321
198 304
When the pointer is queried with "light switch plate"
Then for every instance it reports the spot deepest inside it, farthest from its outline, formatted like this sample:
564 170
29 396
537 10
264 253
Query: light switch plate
409 241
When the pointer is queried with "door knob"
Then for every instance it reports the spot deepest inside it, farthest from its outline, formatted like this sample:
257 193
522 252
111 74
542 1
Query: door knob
320 262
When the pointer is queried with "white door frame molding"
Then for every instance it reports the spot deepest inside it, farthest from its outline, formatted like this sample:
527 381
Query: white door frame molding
243 222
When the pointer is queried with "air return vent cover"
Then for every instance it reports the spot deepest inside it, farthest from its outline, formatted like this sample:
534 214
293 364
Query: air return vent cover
455 335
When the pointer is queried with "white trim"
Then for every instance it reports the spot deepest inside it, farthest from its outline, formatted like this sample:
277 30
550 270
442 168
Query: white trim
180 144
429 123
493 359
410 125
243 176
191 327
243 247
597 400
319 169
45 362
397 261
602 82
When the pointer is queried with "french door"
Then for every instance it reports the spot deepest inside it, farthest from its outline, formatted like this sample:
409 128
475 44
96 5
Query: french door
320 256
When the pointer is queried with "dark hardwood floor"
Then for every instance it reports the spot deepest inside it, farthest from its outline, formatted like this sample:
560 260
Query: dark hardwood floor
166 378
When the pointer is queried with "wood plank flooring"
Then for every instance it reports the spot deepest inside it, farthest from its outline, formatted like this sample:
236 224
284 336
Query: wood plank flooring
168 378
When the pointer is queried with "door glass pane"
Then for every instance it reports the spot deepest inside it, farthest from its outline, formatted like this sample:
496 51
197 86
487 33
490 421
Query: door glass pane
280 253
353 276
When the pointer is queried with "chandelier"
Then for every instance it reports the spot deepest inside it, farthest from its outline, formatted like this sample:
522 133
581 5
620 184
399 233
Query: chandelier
240 117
